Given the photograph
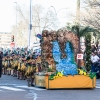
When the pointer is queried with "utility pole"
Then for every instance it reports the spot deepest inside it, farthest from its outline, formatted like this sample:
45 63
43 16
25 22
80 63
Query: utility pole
30 25
78 12
16 19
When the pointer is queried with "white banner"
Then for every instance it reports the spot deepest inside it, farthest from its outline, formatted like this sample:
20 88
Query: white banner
79 56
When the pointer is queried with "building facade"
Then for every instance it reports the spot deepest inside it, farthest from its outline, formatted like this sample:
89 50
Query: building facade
5 39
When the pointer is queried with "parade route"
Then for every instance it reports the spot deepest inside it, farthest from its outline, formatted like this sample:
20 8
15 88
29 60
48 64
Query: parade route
13 84
16 89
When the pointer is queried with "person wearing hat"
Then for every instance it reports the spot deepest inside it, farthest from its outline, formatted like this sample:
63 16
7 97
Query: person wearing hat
1 56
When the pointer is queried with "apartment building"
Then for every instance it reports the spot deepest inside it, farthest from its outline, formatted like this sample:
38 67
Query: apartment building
5 39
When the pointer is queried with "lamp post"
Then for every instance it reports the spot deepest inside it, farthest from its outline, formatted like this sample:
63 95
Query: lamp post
30 25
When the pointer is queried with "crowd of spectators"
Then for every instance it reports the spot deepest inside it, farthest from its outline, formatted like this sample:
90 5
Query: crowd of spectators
95 60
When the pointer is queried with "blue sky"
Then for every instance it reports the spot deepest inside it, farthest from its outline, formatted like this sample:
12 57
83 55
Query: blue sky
8 14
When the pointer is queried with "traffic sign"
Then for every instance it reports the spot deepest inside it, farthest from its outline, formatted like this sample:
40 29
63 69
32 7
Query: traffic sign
79 56
12 44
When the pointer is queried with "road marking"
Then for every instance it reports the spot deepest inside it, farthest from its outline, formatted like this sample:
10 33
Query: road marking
7 84
97 86
11 88
32 95
35 96
34 88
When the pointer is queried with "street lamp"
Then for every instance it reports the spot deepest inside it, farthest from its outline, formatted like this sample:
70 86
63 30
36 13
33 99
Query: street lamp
56 12
30 25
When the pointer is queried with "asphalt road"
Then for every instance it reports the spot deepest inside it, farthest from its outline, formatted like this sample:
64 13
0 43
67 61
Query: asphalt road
12 88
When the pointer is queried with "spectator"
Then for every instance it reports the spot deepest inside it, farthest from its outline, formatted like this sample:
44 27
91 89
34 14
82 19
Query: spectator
1 56
94 60
99 54
98 48
93 48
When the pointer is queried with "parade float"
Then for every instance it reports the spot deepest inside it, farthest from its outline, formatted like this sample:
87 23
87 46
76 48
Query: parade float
59 62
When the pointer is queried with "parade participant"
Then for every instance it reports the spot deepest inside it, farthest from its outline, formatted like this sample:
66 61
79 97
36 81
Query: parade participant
14 65
22 66
1 56
94 61
31 69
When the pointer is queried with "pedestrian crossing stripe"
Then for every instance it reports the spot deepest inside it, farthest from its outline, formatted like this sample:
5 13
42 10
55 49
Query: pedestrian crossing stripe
97 86
33 88
20 88
11 88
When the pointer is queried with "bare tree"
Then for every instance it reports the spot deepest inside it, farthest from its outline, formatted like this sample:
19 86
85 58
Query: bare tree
91 14
41 19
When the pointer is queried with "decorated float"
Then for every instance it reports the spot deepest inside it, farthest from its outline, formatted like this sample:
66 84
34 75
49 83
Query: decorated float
60 64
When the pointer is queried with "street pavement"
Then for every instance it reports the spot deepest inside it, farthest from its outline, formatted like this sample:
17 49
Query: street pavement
12 88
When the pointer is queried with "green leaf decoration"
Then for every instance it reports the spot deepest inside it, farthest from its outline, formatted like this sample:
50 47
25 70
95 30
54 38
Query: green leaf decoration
51 77
92 75
88 52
